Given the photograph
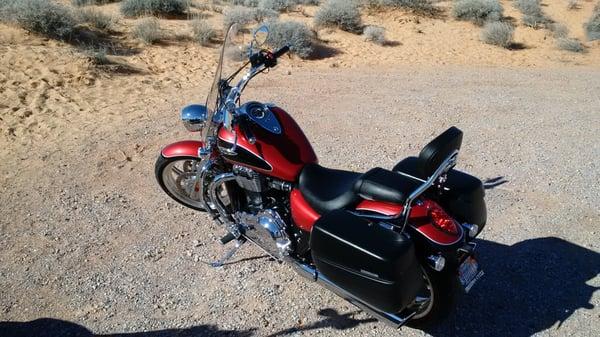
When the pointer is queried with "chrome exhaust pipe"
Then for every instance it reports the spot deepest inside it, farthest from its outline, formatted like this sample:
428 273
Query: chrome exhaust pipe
312 274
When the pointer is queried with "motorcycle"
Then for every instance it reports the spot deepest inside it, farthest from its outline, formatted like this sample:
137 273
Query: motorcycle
396 243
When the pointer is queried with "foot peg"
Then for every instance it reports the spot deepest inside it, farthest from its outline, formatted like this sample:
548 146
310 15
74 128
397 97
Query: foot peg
229 254
227 238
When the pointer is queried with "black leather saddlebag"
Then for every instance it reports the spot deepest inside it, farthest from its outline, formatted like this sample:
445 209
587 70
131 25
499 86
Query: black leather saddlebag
371 262
463 197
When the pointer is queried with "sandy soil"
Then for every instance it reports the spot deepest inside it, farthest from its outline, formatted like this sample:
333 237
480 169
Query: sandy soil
87 237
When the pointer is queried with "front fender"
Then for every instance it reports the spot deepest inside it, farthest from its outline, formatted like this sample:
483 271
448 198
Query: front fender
185 148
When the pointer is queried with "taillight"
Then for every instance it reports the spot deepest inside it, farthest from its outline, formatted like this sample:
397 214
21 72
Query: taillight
441 220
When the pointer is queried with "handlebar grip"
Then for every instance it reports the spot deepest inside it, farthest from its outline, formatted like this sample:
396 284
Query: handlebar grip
281 51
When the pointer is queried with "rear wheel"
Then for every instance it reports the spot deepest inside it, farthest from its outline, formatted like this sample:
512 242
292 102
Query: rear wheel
435 299
178 177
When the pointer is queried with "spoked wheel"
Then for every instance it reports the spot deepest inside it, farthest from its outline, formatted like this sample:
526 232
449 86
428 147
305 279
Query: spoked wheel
179 178
435 299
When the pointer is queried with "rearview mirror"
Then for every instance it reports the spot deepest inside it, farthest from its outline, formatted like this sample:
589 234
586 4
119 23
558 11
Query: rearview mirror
260 36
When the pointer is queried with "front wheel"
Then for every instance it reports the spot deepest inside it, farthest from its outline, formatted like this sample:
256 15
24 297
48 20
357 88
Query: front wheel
435 300
178 177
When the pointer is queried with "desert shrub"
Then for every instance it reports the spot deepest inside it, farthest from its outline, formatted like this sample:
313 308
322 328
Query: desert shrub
498 33
573 4
91 2
374 34
477 11
262 14
278 5
533 21
154 7
148 30
247 3
96 18
40 16
533 16
570 44
294 34
217 9
244 16
592 27
203 32
238 14
416 5
203 6
339 13
97 56
309 2
558 30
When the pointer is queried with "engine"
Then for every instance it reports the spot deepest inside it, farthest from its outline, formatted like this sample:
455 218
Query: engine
261 215
267 230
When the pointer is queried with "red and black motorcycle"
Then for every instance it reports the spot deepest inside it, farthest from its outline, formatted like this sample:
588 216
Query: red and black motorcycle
396 243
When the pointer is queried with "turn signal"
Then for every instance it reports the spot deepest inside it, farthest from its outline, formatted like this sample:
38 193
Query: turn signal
442 220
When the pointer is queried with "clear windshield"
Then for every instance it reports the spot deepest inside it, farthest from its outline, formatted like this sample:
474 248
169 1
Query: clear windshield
233 55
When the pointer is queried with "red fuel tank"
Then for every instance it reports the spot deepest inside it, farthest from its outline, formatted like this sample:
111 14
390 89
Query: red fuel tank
278 155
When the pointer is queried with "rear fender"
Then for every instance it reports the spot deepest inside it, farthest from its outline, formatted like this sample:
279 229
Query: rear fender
185 148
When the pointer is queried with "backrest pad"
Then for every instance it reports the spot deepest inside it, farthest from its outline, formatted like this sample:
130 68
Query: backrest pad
434 153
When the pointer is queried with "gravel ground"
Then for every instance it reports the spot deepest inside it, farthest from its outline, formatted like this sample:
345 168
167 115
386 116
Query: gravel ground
91 244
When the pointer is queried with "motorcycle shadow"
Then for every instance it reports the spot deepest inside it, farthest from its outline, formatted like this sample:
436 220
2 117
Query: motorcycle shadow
50 327
528 287
332 319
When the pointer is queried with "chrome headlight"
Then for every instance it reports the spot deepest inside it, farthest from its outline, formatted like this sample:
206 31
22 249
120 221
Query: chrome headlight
194 117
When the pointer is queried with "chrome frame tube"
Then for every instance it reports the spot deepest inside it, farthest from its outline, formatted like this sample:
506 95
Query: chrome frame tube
220 179
204 168
446 165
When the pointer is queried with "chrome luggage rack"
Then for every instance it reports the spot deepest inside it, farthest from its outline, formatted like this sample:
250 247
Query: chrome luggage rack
438 177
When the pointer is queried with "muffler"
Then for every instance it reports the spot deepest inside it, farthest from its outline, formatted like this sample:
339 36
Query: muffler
311 273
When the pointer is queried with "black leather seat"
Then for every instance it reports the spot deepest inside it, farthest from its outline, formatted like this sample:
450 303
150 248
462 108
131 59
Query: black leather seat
384 185
328 189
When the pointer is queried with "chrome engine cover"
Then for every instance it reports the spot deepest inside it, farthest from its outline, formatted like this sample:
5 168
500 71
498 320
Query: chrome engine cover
266 229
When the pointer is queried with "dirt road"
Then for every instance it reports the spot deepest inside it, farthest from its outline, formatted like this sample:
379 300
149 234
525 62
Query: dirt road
87 237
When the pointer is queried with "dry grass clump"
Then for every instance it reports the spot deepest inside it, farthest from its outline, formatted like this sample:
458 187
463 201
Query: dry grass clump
262 14
592 27
91 2
498 33
558 30
573 4
134 8
533 16
148 30
339 13
309 2
97 57
570 44
202 32
247 3
419 6
477 11
238 15
96 18
375 34
294 34
278 5
40 16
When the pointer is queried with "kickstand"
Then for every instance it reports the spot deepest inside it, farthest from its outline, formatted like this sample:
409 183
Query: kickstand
228 255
